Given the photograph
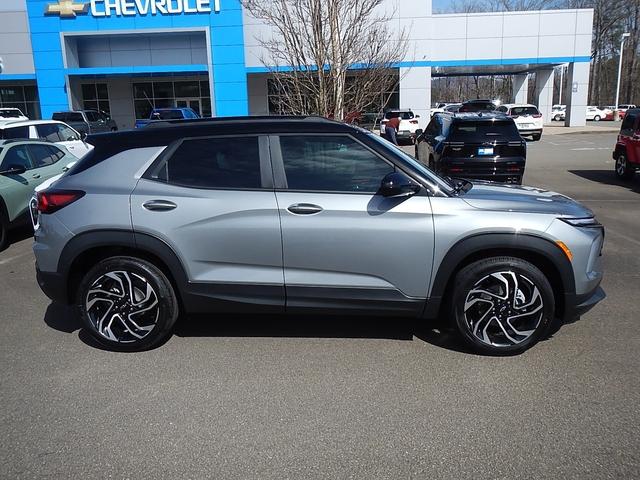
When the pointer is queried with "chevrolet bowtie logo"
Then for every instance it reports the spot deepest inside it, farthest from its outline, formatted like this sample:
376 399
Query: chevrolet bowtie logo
66 8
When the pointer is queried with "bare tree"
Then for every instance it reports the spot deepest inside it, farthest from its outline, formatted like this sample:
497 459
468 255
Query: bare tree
329 57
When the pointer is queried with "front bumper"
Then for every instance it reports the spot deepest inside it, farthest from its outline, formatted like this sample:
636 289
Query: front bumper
52 285
578 305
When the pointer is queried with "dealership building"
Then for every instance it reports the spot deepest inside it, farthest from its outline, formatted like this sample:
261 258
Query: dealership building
126 57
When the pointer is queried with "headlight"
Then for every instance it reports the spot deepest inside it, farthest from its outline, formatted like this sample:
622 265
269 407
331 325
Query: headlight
588 222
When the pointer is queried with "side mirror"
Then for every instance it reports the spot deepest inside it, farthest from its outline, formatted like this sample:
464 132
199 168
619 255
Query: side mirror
14 170
398 185
83 136
419 132
417 116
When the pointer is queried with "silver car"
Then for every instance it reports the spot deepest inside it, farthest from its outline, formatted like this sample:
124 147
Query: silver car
304 215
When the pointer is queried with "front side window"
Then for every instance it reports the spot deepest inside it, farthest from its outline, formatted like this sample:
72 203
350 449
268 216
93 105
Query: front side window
67 134
627 125
331 163
214 163
93 116
16 157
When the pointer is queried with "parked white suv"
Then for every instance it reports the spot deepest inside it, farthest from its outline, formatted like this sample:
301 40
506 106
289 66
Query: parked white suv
408 123
11 115
48 130
558 113
528 119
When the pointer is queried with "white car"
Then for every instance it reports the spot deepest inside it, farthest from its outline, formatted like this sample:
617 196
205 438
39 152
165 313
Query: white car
440 108
528 119
408 123
558 113
11 115
596 114
48 130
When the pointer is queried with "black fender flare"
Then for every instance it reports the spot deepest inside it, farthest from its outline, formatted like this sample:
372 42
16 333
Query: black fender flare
510 244
149 244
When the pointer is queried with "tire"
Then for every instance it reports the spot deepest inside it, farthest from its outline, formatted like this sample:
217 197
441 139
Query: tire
596 118
557 118
536 137
4 229
623 170
153 303
476 294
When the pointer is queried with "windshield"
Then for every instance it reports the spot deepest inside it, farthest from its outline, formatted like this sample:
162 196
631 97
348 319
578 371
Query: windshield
10 113
401 115
437 182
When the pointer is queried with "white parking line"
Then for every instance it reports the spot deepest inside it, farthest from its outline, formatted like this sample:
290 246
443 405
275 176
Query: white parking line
4 261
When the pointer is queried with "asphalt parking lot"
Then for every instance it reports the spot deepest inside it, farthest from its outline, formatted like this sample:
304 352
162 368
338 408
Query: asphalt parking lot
334 397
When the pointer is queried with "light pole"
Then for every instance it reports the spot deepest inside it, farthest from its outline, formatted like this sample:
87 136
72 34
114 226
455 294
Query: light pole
624 37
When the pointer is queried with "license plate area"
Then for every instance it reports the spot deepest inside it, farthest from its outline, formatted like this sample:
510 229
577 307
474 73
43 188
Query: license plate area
484 151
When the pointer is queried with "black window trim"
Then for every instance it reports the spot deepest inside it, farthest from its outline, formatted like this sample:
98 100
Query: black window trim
280 178
266 175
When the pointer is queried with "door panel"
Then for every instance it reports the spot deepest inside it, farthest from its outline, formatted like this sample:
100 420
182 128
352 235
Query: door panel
358 241
210 204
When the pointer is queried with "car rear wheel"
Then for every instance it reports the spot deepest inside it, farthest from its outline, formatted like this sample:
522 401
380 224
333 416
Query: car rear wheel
557 118
596 118
501 305
127 304
623 169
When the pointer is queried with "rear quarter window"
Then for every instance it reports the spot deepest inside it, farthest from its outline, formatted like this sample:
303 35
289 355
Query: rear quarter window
14 132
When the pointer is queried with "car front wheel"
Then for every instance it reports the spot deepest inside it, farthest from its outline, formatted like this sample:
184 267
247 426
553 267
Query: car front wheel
501 305
623 169
127 304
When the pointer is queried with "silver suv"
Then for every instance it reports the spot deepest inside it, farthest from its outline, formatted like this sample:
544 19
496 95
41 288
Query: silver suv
304 215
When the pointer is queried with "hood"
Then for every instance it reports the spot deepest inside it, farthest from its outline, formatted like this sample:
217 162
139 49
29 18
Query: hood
516 198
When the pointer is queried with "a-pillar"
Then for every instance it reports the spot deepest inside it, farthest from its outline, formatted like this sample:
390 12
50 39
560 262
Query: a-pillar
521 88
544 93
415 92
576 94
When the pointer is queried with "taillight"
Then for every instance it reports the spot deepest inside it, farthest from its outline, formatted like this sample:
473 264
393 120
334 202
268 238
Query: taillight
537 115
50 201
414 122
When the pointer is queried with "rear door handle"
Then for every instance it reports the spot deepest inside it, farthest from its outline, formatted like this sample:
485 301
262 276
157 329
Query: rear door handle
35 175
159 205
304 208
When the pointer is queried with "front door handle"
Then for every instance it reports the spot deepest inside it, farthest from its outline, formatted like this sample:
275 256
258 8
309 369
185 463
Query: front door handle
304 208
159 205
35 175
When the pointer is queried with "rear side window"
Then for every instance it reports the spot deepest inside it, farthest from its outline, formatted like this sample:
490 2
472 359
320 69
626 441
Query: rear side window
44 155
332 164
17 156
483 131
74 117
214 163
628 124
14 132
60 116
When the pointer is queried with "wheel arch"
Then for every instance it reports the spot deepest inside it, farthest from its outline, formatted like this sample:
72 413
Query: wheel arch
542 253
85 250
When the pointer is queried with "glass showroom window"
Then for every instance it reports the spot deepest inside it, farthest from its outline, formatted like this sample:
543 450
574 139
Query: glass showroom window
24 97
95 96
168 94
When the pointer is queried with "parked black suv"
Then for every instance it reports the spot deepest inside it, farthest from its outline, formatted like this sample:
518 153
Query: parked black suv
485 146
87 121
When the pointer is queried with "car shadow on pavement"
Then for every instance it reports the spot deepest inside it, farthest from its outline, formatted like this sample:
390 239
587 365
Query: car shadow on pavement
18 234
438 333
608 177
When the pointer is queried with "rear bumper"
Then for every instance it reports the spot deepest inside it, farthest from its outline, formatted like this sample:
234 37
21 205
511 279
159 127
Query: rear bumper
530 131
52 285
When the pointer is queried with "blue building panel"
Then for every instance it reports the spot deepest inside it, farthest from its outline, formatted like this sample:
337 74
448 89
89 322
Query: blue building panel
226 47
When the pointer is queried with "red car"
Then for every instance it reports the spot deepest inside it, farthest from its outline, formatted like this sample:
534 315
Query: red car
627 151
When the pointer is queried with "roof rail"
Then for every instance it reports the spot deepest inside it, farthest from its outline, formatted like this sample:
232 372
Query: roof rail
256 118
